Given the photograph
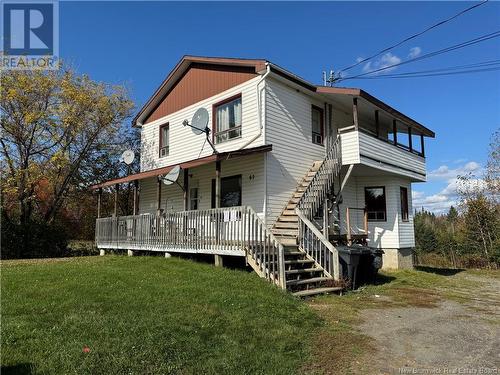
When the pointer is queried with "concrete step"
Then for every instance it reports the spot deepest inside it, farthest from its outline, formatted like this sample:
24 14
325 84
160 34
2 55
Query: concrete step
315 291
312 280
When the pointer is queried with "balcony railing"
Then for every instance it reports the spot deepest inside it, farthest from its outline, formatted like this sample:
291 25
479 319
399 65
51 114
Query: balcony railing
365 148
222 231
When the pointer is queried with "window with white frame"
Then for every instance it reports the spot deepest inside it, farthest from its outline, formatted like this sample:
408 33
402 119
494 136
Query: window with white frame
164 140
375 203
227 119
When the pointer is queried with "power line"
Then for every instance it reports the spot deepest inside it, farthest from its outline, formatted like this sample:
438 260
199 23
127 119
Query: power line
480 39
457 67
414 36
417 75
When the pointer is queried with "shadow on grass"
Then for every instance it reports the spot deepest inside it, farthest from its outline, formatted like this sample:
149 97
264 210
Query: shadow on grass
440 271
382 279
20 369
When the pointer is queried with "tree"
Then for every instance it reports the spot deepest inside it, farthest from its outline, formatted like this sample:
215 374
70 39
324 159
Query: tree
61 132
57 130
492 175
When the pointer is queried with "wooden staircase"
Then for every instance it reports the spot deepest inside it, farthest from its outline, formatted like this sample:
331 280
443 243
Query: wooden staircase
303 275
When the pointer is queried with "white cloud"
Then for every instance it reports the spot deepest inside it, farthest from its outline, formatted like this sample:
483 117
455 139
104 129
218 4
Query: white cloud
414 52
384 61
448 196
417 194
359 59
444 172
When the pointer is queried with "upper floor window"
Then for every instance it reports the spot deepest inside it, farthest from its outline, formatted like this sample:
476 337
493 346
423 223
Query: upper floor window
318 130
375 203
227 115
403 192
164 140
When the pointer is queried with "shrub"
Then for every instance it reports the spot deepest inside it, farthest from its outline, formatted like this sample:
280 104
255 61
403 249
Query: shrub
33 240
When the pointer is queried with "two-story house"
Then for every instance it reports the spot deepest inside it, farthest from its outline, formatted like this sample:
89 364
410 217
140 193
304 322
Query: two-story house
287 174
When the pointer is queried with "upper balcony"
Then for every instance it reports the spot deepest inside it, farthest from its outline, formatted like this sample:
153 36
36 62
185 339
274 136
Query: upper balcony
378 139
359 147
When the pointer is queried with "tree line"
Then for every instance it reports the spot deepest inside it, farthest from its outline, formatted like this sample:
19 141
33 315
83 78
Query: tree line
467 235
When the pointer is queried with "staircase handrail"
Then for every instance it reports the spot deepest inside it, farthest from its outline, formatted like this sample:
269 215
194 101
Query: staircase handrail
322 182
324 253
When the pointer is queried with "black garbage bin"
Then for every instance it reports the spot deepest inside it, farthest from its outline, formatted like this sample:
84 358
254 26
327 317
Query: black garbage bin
360 264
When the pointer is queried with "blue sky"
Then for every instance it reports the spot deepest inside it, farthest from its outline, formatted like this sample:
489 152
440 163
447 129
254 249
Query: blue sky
137 43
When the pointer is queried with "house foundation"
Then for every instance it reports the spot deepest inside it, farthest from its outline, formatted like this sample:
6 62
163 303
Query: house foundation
396 259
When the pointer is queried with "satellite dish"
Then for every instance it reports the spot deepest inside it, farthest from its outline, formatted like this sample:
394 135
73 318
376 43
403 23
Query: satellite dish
128 157
172 176
199 121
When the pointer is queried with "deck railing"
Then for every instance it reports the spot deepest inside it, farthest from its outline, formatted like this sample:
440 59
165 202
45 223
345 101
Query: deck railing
317 246
310 238
229 230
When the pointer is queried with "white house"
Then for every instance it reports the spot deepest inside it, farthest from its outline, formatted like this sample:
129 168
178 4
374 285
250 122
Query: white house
296 173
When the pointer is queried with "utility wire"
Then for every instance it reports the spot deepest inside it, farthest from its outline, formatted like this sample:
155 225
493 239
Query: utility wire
414 36
395 76
480 39
458 67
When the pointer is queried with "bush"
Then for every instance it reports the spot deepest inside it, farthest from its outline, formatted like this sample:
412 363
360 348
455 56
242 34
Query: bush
33 240
82 248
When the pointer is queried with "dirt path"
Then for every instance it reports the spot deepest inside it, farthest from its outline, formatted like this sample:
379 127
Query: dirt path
461 334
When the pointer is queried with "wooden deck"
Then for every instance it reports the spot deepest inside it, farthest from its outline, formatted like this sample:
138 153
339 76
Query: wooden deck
221 231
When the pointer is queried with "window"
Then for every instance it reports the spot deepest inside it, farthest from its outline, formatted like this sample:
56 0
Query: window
403 192
164 140
375 203
317 125
227 120
230 191
193 198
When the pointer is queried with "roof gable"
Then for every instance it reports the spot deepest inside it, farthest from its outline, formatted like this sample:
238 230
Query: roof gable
194 79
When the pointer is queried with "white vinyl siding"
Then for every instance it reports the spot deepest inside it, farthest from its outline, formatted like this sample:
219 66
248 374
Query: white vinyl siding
251 169
184 145
289 130
358 147
390 234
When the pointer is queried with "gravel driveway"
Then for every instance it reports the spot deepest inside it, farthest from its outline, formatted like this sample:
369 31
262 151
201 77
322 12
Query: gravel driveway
460 335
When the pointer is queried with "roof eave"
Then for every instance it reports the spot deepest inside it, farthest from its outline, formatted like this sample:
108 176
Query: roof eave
179 69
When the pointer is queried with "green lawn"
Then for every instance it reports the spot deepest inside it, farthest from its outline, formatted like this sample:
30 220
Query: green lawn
151 315
148 315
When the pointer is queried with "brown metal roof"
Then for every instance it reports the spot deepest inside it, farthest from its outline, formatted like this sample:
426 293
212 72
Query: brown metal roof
189 164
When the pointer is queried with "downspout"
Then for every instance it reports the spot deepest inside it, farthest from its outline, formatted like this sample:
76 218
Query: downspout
259 109
261 132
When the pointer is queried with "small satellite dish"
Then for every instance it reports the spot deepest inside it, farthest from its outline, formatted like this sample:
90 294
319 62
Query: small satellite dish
199 121
128 157
172 176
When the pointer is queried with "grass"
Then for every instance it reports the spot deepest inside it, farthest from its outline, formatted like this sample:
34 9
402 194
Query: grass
150 315
147 315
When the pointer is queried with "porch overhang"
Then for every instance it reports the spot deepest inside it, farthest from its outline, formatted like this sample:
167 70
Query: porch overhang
188 164
358 93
